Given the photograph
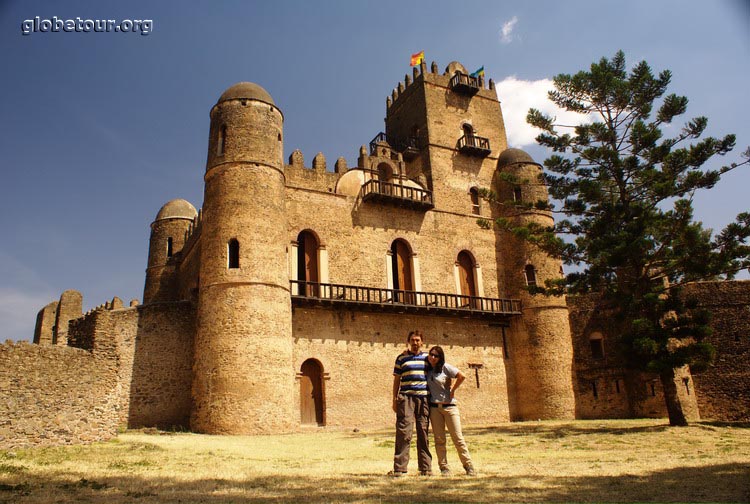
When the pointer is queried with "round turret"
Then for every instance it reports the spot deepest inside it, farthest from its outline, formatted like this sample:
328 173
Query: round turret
245 125
168 234
243 382
541 371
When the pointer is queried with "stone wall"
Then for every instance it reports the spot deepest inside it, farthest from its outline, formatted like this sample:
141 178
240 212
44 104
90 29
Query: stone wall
55 394
357 351
160 364
723 390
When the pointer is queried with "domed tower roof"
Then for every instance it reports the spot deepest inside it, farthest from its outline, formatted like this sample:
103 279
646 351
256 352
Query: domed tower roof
246 91
177 209
455 66
514 156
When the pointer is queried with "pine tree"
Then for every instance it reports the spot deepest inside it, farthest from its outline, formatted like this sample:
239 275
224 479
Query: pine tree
625 193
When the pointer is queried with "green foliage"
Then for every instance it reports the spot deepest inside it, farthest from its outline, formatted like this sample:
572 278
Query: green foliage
625 194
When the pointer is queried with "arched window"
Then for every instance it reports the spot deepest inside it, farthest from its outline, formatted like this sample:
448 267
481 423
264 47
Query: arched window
402 271
169 247
307 263
468 130
233 254
596 342
221 140
467 279
530 273
474 194
311 393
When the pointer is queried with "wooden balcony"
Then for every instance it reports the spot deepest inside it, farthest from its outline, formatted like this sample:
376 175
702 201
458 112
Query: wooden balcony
474 145
409 147
465 84
388 193
399 301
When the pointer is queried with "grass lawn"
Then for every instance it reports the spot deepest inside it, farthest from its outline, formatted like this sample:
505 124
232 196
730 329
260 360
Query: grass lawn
555 461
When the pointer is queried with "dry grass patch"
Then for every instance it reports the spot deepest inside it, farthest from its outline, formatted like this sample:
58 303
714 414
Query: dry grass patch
582 461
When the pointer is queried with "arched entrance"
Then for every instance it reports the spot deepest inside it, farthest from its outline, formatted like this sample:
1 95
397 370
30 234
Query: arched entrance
466 267
311 396
307 263
402 271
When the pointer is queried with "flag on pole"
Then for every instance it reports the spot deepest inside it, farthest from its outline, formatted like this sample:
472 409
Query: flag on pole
479 72
417 59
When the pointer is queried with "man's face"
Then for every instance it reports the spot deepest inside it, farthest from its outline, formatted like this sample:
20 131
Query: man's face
415 343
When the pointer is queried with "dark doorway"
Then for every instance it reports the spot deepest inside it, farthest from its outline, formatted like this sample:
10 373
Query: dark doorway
311 393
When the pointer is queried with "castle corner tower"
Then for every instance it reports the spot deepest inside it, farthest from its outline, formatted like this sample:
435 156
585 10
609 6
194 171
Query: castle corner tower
242 375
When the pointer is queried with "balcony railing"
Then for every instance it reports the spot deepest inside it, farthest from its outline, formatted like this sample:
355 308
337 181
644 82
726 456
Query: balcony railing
409 147
394 300
466 84
474 145
395 194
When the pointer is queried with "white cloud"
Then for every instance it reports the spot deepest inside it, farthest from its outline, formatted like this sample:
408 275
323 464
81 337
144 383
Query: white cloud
506 32
517 97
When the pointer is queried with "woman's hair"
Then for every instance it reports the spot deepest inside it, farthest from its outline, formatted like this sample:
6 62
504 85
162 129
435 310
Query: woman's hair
441 359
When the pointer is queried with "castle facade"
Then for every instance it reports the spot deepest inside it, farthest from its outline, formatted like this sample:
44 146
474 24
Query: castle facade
284 301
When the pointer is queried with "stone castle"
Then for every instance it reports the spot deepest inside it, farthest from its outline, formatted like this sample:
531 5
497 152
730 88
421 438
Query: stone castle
284 301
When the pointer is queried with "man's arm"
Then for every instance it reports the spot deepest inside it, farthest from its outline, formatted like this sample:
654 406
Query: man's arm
396 387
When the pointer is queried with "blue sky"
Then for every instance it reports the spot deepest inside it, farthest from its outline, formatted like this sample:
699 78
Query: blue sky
99 130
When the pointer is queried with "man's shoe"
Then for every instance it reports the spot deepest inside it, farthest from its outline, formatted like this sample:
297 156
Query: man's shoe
470 470
425 473
445 472
396 474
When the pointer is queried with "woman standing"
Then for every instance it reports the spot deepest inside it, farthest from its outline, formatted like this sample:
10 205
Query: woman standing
443 380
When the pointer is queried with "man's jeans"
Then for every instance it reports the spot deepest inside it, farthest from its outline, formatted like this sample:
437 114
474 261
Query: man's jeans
412 410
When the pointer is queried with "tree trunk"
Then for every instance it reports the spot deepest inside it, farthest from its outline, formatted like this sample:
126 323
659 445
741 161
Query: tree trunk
672 399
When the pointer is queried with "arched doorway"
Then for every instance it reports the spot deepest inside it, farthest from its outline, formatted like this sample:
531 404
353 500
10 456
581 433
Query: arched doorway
307 263
466 280
402 271
311 394
385 178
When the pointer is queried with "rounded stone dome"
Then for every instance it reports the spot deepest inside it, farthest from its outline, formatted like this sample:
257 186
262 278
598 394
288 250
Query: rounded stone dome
453 67
246 91
514 156
177 209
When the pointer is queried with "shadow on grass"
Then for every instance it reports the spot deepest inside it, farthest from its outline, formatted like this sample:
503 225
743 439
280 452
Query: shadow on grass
554 431
716 483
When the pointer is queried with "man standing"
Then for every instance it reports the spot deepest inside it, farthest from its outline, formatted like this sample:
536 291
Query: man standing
411 405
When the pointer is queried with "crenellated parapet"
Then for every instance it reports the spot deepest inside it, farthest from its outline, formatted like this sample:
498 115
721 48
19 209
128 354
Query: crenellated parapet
455 76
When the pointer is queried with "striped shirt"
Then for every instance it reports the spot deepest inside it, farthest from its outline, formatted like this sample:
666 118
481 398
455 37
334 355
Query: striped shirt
411 368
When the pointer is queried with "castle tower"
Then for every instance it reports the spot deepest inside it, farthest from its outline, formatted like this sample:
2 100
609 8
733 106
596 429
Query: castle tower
168 233
457 125
242 376
540 379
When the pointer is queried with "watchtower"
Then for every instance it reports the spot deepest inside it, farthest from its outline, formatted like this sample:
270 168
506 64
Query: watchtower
242 376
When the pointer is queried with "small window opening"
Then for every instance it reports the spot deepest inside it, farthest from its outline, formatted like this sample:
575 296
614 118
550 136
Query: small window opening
221 141
653 389
617 386
169 247
474 193
233 254
593 389
686 381
597 346
468 130
517 196
530 274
